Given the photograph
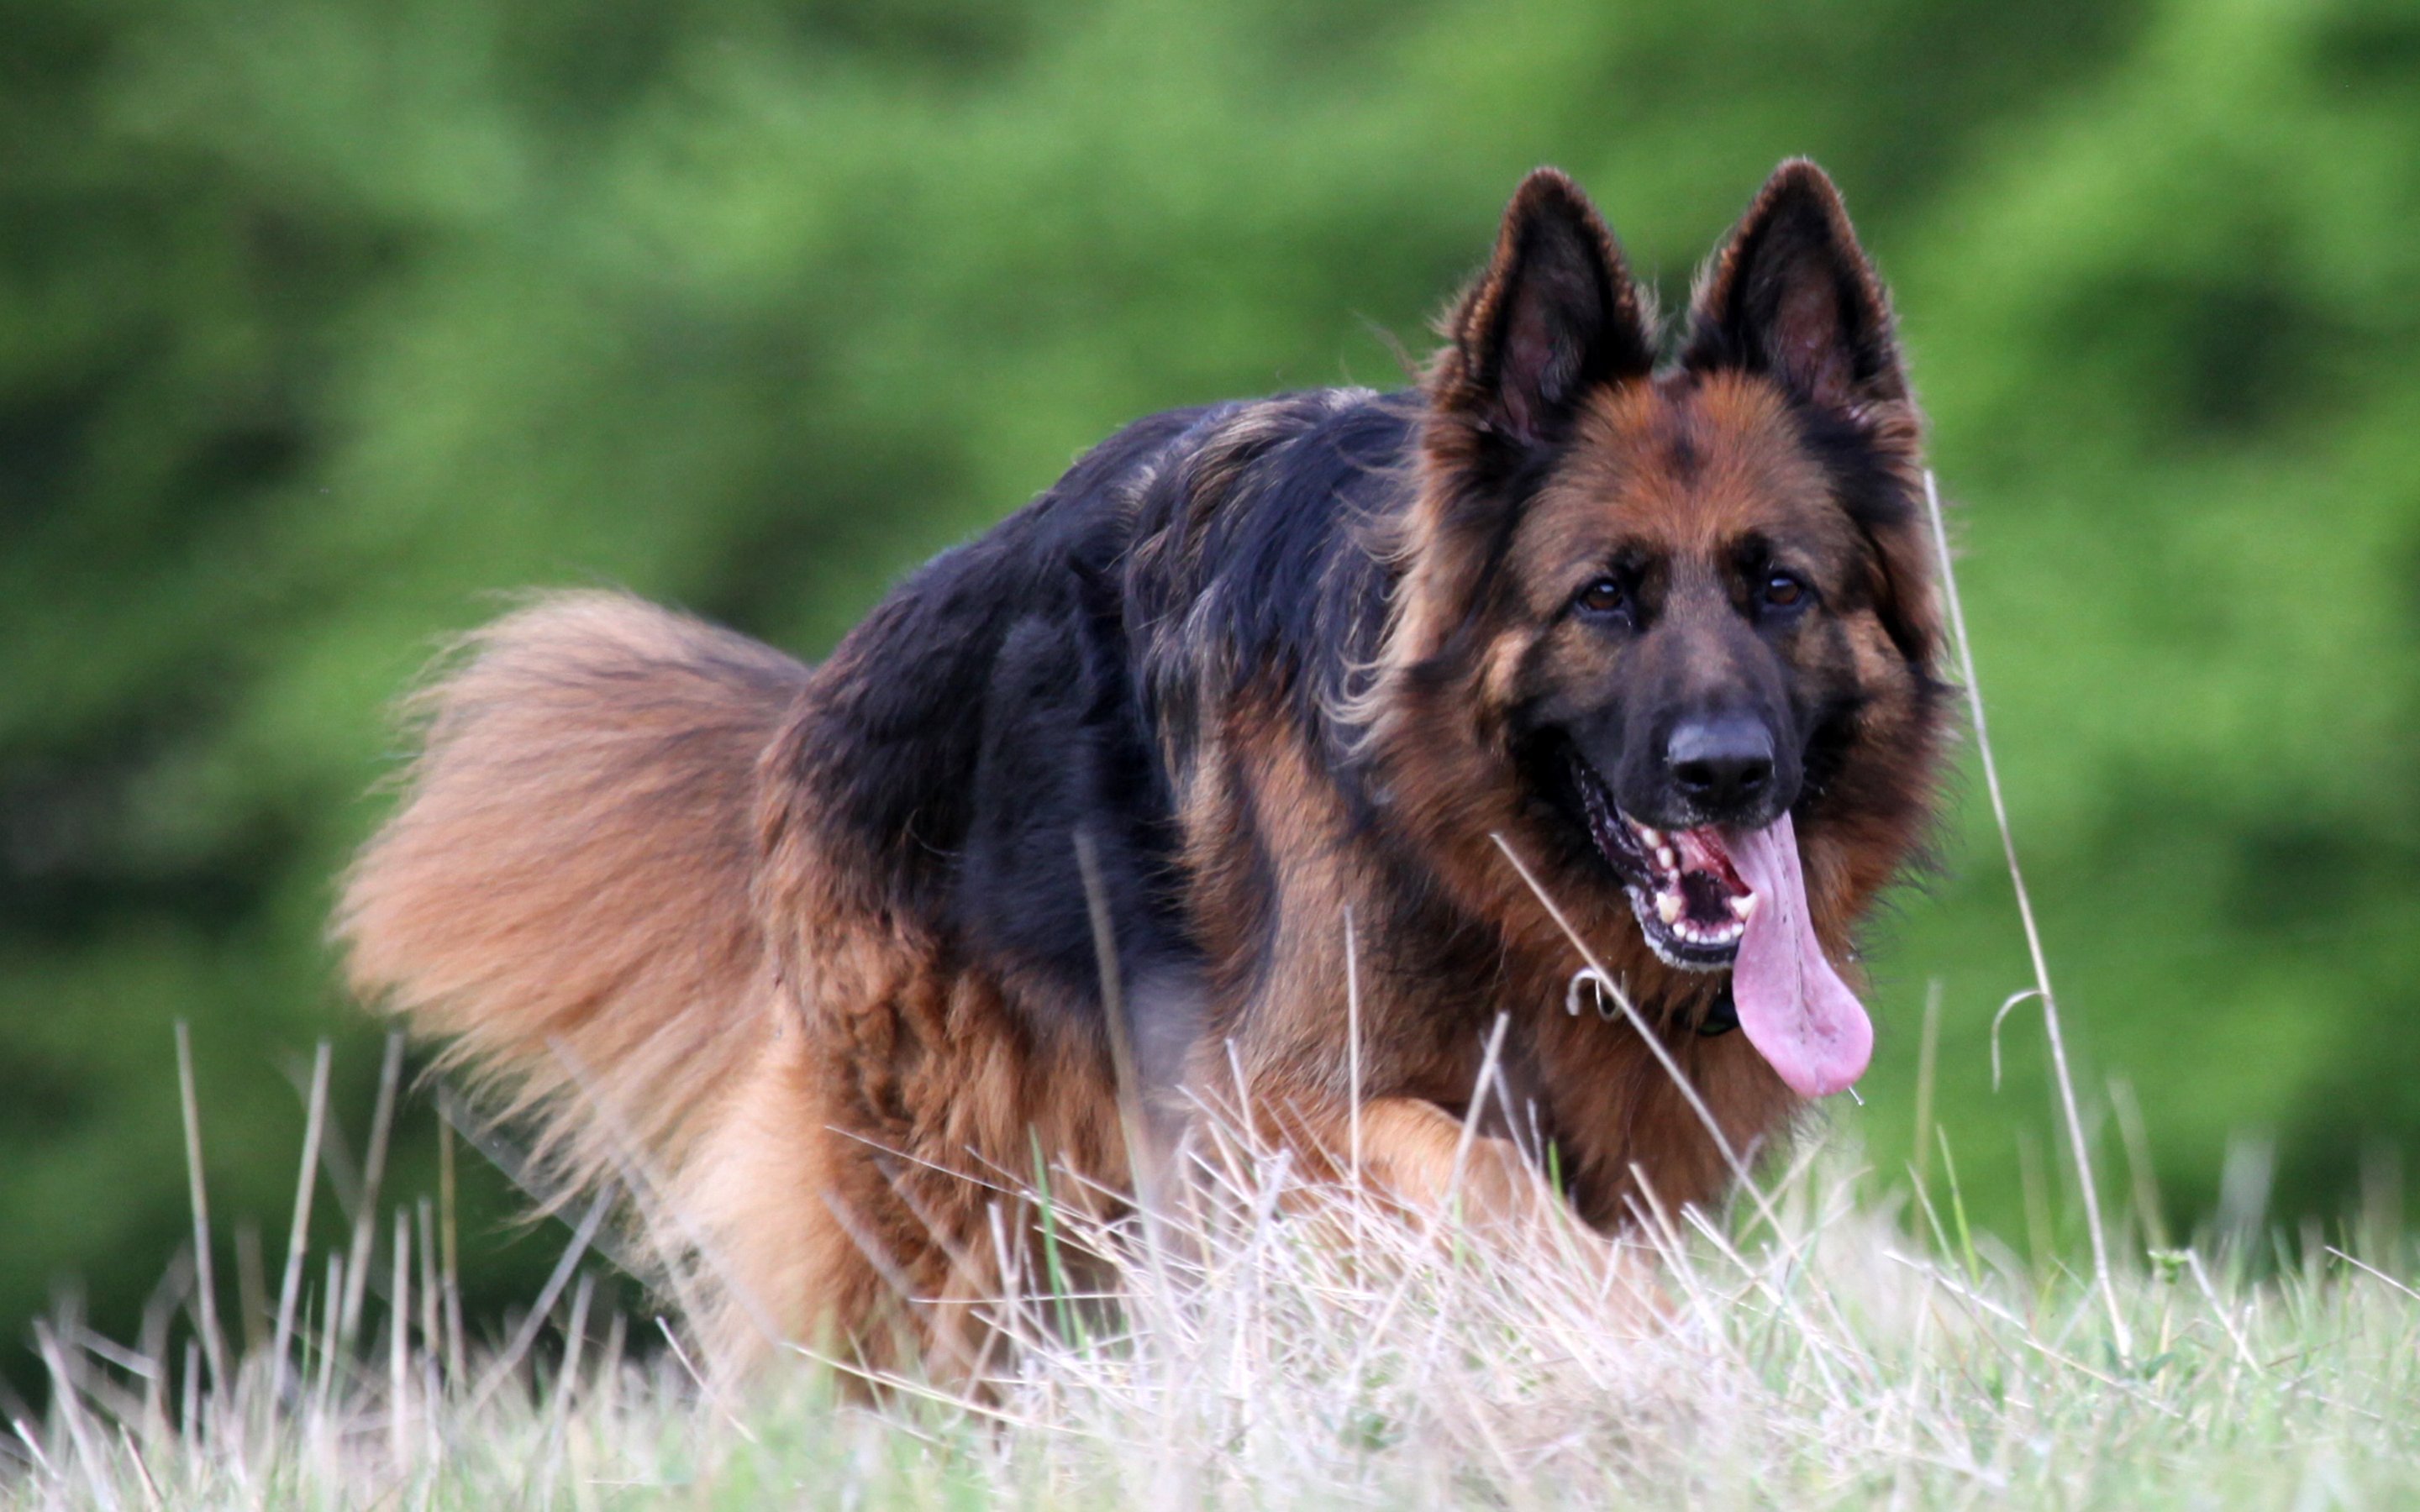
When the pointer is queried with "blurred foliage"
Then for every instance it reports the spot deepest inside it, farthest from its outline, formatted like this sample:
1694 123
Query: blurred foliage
322 323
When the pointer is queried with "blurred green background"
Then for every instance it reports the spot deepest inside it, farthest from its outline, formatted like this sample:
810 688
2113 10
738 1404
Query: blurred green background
321 323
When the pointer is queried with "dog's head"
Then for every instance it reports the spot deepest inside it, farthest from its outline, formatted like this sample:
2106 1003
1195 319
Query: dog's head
1670 612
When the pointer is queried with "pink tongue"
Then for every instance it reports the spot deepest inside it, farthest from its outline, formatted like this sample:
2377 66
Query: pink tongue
1793 1006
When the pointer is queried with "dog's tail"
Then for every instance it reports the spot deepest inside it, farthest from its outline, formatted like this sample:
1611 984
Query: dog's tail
565 893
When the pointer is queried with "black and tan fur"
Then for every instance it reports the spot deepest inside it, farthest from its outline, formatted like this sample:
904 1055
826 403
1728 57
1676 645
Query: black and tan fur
807 948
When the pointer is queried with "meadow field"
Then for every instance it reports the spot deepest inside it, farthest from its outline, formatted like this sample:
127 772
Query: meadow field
325 324
1839 1338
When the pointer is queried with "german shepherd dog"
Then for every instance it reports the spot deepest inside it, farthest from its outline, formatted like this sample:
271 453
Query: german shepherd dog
816 957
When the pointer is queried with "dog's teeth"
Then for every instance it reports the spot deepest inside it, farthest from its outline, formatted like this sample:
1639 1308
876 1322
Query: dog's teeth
1668 908
1743 906
1653 837
1665 858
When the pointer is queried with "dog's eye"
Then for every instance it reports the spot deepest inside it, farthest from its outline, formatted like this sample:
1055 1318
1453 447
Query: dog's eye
1785 589
1603 596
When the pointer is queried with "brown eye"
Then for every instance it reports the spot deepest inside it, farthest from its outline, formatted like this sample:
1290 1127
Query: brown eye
1784 589
1603 596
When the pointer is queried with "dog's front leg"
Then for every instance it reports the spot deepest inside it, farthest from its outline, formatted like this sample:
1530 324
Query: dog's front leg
1417 1154
1421 1156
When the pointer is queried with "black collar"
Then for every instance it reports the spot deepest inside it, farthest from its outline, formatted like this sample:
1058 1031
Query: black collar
1722 1014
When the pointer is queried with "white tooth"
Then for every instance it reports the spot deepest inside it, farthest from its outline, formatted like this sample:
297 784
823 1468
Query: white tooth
1665 858
1653 837
1743 905
1668 908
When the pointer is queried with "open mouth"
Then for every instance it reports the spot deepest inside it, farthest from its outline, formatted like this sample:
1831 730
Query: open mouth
1712 898
1691 902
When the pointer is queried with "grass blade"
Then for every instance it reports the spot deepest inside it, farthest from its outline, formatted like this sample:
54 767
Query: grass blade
2079 1147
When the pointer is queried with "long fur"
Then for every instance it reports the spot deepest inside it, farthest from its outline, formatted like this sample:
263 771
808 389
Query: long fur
809 958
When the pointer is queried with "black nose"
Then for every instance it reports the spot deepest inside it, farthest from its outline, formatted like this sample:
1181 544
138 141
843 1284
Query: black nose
1721 766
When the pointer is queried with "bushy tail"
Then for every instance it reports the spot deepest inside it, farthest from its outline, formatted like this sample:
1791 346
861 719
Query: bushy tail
564 892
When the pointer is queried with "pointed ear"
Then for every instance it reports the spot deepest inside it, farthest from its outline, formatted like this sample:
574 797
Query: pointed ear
1790 294
1554 316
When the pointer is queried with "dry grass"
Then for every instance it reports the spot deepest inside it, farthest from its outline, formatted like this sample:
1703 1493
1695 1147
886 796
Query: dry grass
1288 1346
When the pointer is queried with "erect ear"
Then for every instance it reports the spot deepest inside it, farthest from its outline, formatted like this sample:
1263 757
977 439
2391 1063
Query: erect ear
1552 316
1790 294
